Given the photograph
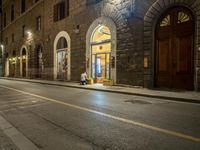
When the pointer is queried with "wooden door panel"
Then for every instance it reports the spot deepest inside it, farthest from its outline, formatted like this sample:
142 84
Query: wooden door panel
174 50
184 28
183 55
24 68
163 73
183 71
181 81
163 56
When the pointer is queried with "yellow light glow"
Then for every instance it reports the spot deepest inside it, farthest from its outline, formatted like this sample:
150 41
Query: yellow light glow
102 33
29 33
24 57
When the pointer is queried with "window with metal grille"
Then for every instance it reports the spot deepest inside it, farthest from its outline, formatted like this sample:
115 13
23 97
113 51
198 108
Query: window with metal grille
38 20
4 20
12 13
23 6
61 10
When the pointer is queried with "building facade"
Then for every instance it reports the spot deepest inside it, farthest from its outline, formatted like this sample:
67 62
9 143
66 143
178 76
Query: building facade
132 42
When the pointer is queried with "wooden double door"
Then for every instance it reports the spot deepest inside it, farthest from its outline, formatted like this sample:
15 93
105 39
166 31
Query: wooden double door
174 60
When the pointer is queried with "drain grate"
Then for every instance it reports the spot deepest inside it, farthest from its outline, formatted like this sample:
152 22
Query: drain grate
138 102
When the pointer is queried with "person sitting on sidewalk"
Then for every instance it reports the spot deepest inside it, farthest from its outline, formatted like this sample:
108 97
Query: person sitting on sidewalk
83 78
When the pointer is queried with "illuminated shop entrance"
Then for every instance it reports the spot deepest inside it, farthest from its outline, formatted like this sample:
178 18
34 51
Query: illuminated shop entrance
101 54
13 66
24 63
62 57
39 62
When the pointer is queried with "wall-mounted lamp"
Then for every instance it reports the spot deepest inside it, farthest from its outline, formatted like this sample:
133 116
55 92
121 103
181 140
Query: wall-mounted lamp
24 57
2 46
29 33
13 59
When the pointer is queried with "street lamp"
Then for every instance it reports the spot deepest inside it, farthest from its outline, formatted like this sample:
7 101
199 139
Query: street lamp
2 47
29 33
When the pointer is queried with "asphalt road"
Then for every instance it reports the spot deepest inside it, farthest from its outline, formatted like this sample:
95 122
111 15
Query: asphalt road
61 118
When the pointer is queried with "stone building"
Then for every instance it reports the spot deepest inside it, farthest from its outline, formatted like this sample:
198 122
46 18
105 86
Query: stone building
1 69
148 43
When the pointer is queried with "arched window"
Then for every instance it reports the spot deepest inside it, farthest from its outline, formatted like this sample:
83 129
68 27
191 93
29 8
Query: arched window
39 62
101 34
62 58
24 62
14 53
23 51
62 43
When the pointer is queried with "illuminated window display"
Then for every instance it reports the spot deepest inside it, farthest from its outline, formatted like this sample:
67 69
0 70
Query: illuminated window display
101 52
62 58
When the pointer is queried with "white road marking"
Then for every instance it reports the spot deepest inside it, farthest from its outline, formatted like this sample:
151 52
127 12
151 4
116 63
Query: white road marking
132 122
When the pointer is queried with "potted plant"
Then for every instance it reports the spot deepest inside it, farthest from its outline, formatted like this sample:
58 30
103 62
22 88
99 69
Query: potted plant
90 80
108 82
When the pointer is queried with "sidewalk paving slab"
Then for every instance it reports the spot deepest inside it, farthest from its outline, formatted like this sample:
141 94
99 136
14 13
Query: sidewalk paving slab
6 143
12 139
183 96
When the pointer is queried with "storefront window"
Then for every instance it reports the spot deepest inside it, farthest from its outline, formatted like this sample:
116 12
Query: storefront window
62 58
101 52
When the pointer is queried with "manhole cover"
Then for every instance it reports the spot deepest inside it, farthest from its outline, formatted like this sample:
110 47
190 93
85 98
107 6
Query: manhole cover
138 102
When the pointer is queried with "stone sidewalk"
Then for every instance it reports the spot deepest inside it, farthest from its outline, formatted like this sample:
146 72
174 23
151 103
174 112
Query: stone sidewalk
184 96
6 143
12 139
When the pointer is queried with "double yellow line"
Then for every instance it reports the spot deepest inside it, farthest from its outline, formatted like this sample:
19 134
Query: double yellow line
135 123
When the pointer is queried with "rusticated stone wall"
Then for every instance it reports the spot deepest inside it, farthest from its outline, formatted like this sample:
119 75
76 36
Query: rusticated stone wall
150 11
135 22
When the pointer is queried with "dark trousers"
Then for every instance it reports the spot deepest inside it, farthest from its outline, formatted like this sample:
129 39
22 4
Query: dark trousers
83 82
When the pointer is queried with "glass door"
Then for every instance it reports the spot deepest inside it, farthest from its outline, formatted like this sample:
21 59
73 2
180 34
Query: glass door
101 67
61 64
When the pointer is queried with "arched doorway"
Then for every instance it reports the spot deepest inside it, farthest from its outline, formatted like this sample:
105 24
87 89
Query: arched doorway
7 64
13 64
174 56
62 56
101 54
101 50
24 62
61 49
39 63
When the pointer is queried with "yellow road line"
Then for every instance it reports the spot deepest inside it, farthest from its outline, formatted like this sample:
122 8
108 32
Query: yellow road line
165 131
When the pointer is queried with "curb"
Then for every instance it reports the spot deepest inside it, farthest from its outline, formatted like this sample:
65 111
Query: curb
178 99
18 139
